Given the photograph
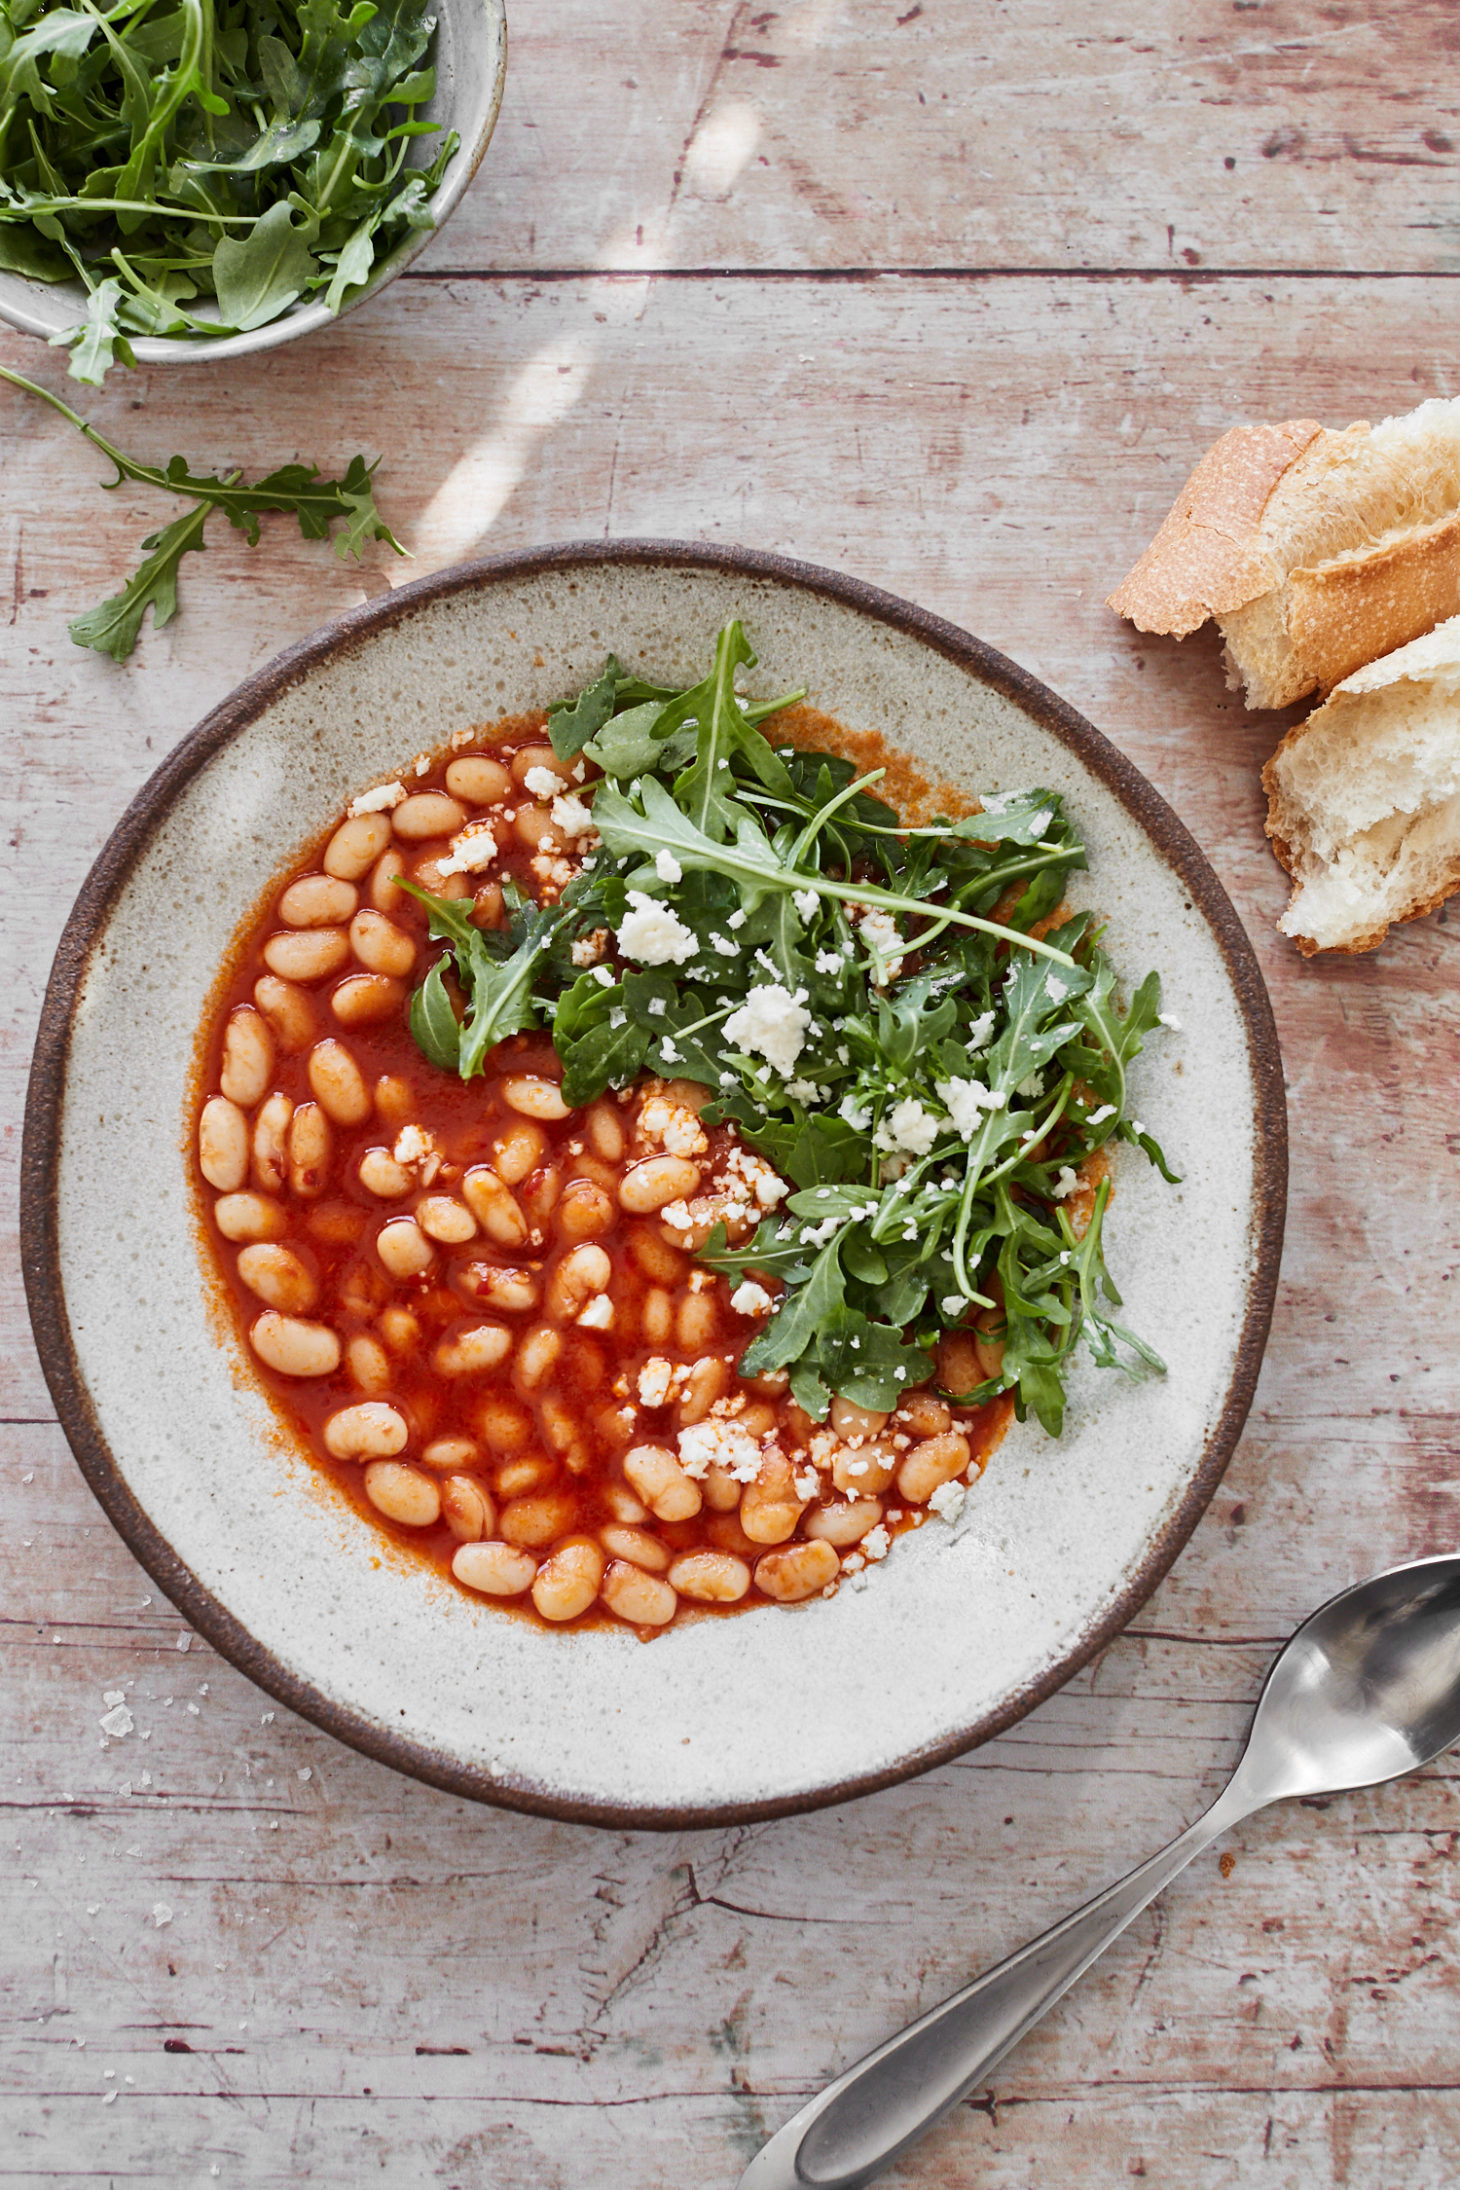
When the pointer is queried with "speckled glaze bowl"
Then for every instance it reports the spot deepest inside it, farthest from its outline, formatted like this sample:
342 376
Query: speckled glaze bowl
471 68
961 1630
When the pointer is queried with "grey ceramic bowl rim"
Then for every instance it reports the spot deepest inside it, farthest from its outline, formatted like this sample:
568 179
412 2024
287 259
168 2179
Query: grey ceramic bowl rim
306 319
41 1150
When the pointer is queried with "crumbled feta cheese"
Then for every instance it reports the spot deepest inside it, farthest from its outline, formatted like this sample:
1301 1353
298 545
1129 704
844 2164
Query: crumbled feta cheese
967 1100
588 949
161 1914
459 738
1067 1182
981 1033
678 1216
948 1501
1031 1087
378 801
909 1127
572 816
808 1483
1098 1117
750 1299
653 934
1168 1019
828 962
806 902
655 1378
544 783
772 1023
876 1543
717 1443
724 946
657 1007
1056 989
673 1126
803 1091
472 850
736 920
817 1235
598 1315
669 1051
412 1144
953 1304
880 932
667 867
603 975
857 1115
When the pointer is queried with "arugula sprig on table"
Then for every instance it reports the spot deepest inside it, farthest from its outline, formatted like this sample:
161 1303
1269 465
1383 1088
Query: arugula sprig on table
251 152
113 626
951 1074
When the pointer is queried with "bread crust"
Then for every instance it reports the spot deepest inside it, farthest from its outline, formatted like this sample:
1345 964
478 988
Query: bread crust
1354 609
1202 561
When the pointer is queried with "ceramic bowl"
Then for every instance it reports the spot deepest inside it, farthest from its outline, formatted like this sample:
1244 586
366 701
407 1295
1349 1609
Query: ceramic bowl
471 67
960 1630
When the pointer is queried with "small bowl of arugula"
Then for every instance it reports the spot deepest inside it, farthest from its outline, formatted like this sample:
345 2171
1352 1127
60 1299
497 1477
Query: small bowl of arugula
225 175
945 973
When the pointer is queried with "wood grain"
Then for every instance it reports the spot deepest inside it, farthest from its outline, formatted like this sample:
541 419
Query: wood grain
377 1983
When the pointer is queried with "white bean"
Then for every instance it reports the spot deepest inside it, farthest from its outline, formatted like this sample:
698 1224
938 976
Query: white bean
641 1599
535 1098
288 1009
495 1569
402 1493
278 1276
713 1577
796 1572
404 1248
425 814
442 1217
661 1482
380 945
318 901
311 1149
292 1347
356 845
481 782
271 1142
364 999
338 1083
307 954
248 1056
657 1181
473 1350
250 1216
935 1461
566 1583
369 1430
223 1144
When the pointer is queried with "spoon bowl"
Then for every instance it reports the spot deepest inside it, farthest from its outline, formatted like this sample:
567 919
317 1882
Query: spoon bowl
1367 1689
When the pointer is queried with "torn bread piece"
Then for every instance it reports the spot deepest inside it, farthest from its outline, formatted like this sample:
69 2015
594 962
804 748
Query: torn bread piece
1352 550
1364 799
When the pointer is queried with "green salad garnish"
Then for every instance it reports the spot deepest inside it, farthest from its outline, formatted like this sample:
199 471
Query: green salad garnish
874 1011
248 152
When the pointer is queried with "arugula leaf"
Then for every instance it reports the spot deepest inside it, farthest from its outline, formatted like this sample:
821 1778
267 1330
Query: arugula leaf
112 627
434 1025
258 276
600 1045
318 504
571 726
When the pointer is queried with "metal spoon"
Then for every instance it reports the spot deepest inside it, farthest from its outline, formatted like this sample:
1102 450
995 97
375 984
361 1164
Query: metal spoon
1367 1690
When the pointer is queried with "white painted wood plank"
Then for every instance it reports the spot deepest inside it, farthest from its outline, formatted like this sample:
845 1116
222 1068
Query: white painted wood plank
1166 134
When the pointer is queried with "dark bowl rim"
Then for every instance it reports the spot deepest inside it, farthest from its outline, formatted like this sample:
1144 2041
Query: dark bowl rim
44 1123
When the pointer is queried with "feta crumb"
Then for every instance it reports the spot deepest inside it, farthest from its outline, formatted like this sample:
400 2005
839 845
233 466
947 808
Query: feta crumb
857 1115
412 1144
1098 1117
573 816
678 1216
772 1023
588 949
909 1127
161 1914
666 866
421 765
544 783
828 961
736 920
717 1443
803 1091
981 1033
657 1007
673 1126
118 1720
876 1543
378 801
808 1483
953 1304
598 1315
724 946
880 932
603 975
459 738
750 1299
948 1501
806 902
1168 1019
1067 1182
472 850
655 1378
1031 1087
653 934
967 1100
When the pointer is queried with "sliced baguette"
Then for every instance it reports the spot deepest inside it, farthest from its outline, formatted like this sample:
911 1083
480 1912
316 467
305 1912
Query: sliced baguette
1364 799
1352 550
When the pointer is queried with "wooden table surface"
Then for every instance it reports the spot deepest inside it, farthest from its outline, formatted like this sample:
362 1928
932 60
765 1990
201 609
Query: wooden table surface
948 293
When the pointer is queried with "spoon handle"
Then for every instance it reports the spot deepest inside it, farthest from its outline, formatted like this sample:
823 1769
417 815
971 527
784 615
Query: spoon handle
870 2115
